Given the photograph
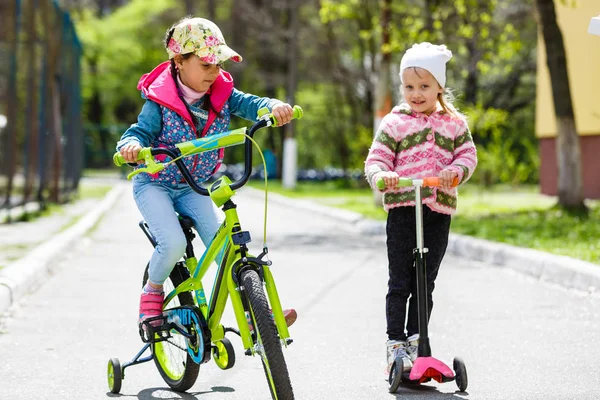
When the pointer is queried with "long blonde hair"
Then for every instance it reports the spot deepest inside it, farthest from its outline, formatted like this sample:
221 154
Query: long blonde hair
445 99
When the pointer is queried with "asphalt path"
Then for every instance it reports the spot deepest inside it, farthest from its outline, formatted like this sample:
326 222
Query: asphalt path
520 338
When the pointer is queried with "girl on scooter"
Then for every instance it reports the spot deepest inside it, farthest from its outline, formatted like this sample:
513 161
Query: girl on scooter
423 136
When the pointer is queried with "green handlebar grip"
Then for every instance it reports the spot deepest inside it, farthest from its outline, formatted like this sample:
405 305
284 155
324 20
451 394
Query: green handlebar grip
298 113
380 184
118 159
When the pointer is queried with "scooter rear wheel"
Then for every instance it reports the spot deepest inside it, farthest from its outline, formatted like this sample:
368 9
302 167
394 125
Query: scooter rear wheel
461 374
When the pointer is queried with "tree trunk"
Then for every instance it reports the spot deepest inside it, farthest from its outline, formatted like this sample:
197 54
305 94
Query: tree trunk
239 34
383 93
472 81
51 25
189 7
267 64
10 131
212 10
290 164
31 123
568 152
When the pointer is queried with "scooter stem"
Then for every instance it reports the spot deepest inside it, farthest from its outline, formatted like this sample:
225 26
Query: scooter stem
420 264
419 215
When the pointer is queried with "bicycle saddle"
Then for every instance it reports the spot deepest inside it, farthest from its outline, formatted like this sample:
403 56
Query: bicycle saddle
186 222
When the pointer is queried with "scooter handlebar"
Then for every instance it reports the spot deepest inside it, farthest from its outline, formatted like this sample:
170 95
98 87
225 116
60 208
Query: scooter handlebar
430 181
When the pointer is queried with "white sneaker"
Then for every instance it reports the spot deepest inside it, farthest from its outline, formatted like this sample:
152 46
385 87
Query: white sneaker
397 349
412 347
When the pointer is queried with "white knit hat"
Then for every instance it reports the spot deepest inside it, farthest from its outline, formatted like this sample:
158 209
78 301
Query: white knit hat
427 56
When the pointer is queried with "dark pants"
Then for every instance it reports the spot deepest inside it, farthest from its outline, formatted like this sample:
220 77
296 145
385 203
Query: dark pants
402 284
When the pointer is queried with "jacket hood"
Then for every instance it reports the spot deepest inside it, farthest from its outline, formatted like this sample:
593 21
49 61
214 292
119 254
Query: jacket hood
159 86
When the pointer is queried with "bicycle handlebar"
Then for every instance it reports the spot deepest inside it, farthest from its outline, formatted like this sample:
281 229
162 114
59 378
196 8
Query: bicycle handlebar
430 181
213 142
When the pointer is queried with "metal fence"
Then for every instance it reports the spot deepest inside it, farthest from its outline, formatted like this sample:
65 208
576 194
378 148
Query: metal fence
41 135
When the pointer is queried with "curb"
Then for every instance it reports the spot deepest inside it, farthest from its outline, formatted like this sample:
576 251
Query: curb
27 274
565 271
16 212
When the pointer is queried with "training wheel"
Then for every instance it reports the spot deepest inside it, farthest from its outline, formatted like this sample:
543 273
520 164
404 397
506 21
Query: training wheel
461 374
223 354
115 375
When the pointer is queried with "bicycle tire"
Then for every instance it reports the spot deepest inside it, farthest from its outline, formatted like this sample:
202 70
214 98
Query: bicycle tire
273 362
172 360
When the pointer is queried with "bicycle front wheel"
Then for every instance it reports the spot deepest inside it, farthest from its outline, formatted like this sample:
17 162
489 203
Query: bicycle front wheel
268 343
171 357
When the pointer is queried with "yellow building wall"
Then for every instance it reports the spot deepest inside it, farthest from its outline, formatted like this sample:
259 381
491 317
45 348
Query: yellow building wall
583 63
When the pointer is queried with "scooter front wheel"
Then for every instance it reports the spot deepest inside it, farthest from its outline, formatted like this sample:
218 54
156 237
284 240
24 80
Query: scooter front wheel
461 374
395 378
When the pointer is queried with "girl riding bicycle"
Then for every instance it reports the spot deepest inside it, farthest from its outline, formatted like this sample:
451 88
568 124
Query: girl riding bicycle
187 97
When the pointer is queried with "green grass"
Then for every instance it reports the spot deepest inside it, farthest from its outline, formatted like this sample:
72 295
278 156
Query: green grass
87 191
112 172
519 216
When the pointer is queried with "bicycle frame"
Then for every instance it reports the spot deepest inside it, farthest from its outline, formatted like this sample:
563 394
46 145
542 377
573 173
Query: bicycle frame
233 255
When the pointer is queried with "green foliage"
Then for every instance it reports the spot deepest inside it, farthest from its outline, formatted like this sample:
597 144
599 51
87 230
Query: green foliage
551 230
121 47
319 135
504 153
494 48
493 72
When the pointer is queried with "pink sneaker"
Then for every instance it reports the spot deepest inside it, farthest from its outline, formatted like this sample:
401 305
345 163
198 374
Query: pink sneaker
290 316
151 305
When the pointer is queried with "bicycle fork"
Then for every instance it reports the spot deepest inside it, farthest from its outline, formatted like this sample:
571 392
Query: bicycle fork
241 304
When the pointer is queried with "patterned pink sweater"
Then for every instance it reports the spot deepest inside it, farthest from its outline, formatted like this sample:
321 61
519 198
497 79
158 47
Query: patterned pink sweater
416 145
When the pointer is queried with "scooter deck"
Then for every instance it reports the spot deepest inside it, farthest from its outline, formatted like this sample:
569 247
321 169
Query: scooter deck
427 368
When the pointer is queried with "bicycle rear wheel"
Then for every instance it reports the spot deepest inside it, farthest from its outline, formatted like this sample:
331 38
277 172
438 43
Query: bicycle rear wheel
171 357
269 344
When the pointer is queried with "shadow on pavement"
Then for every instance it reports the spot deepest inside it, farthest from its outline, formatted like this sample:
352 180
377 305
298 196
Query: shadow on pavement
331 242
168 394
427 392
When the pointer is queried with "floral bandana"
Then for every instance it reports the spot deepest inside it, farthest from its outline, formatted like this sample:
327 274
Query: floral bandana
203 38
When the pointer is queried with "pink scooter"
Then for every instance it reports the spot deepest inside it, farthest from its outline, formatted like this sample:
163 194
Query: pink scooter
425 367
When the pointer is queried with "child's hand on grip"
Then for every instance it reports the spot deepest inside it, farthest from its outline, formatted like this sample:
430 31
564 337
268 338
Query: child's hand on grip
130 152
390 178
283 113
446 178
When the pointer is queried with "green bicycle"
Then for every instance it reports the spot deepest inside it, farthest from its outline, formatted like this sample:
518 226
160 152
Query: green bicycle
190 328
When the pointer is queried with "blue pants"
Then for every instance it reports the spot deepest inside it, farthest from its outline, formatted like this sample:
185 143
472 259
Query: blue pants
159 205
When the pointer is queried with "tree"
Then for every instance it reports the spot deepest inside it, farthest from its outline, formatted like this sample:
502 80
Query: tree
383 92
570 181
290 152
31 124
10 132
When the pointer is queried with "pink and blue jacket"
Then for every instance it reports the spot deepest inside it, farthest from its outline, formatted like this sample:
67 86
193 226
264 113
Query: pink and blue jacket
165 120
417 145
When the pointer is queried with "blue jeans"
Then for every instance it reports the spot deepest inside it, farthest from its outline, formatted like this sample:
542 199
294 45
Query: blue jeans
159 204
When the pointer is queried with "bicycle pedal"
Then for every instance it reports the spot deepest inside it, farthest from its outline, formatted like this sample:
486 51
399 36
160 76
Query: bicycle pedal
155 329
